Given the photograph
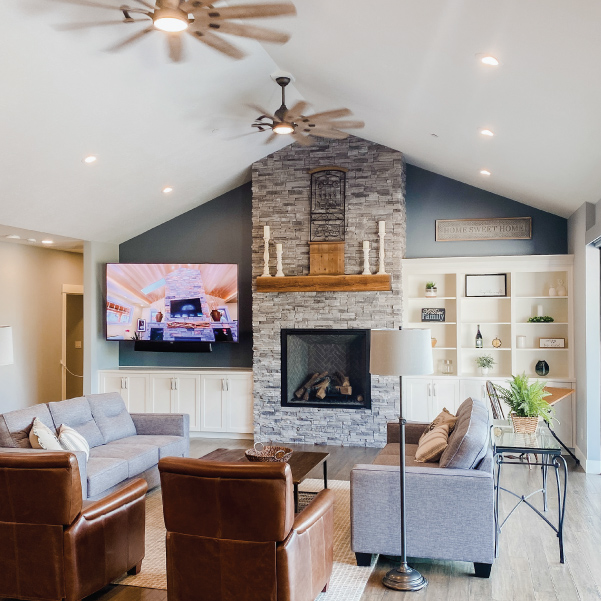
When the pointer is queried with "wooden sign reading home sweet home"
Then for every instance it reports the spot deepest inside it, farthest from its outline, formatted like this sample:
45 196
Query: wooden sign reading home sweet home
496 228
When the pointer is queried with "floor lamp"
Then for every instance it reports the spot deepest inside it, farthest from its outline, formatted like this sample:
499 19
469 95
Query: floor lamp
402 353
6 345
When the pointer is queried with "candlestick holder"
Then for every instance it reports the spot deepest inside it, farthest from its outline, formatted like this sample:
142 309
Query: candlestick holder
279 272
381 270
266 273
366 270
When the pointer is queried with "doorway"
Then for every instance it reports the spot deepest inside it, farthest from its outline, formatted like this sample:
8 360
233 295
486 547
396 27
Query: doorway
72 355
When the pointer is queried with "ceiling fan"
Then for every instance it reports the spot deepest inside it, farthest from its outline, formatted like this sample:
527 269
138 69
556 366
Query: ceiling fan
302 127
201 19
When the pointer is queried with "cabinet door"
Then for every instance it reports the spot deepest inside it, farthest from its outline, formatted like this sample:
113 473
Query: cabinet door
136 388
161 392
112 382
212 403
445 393
187 399
239 409
416 399
476 389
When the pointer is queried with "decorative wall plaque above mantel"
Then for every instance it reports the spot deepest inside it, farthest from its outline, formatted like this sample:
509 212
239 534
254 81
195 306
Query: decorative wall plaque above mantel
496 228
328 201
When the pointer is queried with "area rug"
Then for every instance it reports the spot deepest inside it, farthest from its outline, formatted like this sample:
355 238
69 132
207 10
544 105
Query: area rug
348 580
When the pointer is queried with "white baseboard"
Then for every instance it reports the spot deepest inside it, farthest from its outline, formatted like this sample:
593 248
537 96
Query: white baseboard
232 435
589 466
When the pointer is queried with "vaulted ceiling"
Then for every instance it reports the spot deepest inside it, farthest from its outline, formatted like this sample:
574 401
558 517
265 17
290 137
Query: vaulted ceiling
407 68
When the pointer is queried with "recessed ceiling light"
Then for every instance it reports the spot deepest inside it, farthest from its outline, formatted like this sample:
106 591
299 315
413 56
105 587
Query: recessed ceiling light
90 159
487 132
13 237
47 241
489 60
31 240
485 172
167 190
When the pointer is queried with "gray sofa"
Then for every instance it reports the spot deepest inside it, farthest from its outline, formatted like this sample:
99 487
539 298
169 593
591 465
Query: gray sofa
123 446
449 510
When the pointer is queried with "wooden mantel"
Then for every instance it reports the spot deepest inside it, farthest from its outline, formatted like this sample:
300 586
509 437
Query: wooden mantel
324 283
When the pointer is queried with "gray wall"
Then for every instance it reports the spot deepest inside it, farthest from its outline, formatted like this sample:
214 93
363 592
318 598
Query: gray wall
430 196
218 231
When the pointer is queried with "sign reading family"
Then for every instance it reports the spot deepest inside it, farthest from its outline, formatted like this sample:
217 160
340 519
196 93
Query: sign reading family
496 228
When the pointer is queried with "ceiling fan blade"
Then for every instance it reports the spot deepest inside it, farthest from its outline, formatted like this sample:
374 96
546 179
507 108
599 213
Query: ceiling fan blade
329 133
328 115
271 138
215 42
296 111
146 4
88 3
130 40
174 41
343 124
250 31
251 11
261 111
302 140
74 26
190 6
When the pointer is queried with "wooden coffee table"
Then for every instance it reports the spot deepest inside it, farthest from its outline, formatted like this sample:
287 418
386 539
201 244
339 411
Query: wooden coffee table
301 463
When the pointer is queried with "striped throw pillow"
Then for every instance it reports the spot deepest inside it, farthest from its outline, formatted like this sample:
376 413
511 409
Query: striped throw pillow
72 440
444 417
432 444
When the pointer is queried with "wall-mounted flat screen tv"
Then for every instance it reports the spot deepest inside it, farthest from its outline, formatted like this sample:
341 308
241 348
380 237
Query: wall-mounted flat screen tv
172 302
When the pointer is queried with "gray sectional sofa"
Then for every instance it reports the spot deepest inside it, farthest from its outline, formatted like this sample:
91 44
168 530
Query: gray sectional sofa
123 446
450 512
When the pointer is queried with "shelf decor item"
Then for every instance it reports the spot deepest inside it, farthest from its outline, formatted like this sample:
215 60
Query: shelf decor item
278 251
382 234
486 284
479 343
542 368
527 403
433 314
266 273
520 341
541 319
552 343
561 289
366 269
434 341
447 367
485 363
496 342
431 290
402 353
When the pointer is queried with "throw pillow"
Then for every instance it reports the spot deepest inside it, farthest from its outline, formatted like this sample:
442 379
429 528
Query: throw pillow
42 437
444 417
71 440
432 444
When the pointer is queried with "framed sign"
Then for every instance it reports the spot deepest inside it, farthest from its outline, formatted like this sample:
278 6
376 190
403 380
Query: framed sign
486 284
433 314
552 343
495 228
141 325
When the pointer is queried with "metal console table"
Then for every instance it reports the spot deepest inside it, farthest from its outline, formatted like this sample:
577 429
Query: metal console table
549 450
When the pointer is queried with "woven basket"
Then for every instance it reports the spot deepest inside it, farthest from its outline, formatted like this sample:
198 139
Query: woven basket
524 425
264 453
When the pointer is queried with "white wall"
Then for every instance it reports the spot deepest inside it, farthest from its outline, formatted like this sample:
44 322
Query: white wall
98 352
587 336
31 280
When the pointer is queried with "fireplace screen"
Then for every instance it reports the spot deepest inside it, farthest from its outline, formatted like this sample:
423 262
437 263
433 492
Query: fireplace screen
326 368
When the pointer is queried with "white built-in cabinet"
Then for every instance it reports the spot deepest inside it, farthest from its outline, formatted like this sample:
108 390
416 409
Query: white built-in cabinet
218 402
529 279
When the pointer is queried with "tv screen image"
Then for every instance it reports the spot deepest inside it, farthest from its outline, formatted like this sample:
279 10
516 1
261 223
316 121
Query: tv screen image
187 301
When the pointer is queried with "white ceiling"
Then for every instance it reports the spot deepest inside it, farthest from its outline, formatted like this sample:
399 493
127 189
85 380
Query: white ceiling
407 68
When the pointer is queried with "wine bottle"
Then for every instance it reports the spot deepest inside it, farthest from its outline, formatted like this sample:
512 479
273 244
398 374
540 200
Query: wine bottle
478 338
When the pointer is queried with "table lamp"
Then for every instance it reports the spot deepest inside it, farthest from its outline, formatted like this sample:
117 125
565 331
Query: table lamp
6 345
402 353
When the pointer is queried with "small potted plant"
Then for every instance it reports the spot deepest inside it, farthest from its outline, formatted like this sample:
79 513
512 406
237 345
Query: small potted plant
485 363
431 291
527 403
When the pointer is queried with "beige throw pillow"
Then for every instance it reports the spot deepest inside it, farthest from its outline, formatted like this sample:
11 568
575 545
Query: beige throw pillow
444 417
42 437
72 440
432 444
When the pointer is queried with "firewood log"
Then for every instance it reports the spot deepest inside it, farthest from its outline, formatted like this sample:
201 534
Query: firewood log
301 391
322 388
346 390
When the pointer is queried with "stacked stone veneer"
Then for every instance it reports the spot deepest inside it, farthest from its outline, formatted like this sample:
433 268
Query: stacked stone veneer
375 191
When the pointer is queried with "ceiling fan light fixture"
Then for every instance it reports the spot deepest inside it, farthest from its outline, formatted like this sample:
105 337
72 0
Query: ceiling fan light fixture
171 20
283 128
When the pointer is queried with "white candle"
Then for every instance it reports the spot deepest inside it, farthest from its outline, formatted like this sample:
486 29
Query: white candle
278 248
382 226
539 310
365 244
266 232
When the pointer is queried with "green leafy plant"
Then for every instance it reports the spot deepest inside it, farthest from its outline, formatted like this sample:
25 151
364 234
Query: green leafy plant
544 319
485 361
526 399
430 285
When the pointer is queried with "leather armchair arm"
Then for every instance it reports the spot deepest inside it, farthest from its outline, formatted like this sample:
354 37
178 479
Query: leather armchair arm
323 502
129 493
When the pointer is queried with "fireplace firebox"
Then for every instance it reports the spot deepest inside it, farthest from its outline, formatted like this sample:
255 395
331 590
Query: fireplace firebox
326 368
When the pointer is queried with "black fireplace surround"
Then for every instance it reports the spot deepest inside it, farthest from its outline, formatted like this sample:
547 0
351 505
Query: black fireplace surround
306 352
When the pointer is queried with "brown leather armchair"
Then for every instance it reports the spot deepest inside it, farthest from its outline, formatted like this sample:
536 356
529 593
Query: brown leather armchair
55 546
232 533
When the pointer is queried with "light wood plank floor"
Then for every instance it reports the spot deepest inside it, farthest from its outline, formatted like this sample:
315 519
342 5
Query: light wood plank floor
527 569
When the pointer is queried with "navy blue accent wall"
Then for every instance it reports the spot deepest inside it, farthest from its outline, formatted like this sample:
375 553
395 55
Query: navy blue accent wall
430 196
218 231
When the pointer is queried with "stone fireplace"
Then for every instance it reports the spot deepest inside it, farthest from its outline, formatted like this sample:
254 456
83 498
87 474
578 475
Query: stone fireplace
375 191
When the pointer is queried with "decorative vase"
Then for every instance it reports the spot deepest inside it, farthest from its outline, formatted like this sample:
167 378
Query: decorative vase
434 341
159 317
561 289
484 370
431 292
521 341
524 425
216 315
542 368
552 291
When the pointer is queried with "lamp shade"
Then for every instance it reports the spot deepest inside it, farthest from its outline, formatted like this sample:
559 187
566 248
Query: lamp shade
401 352
6 345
